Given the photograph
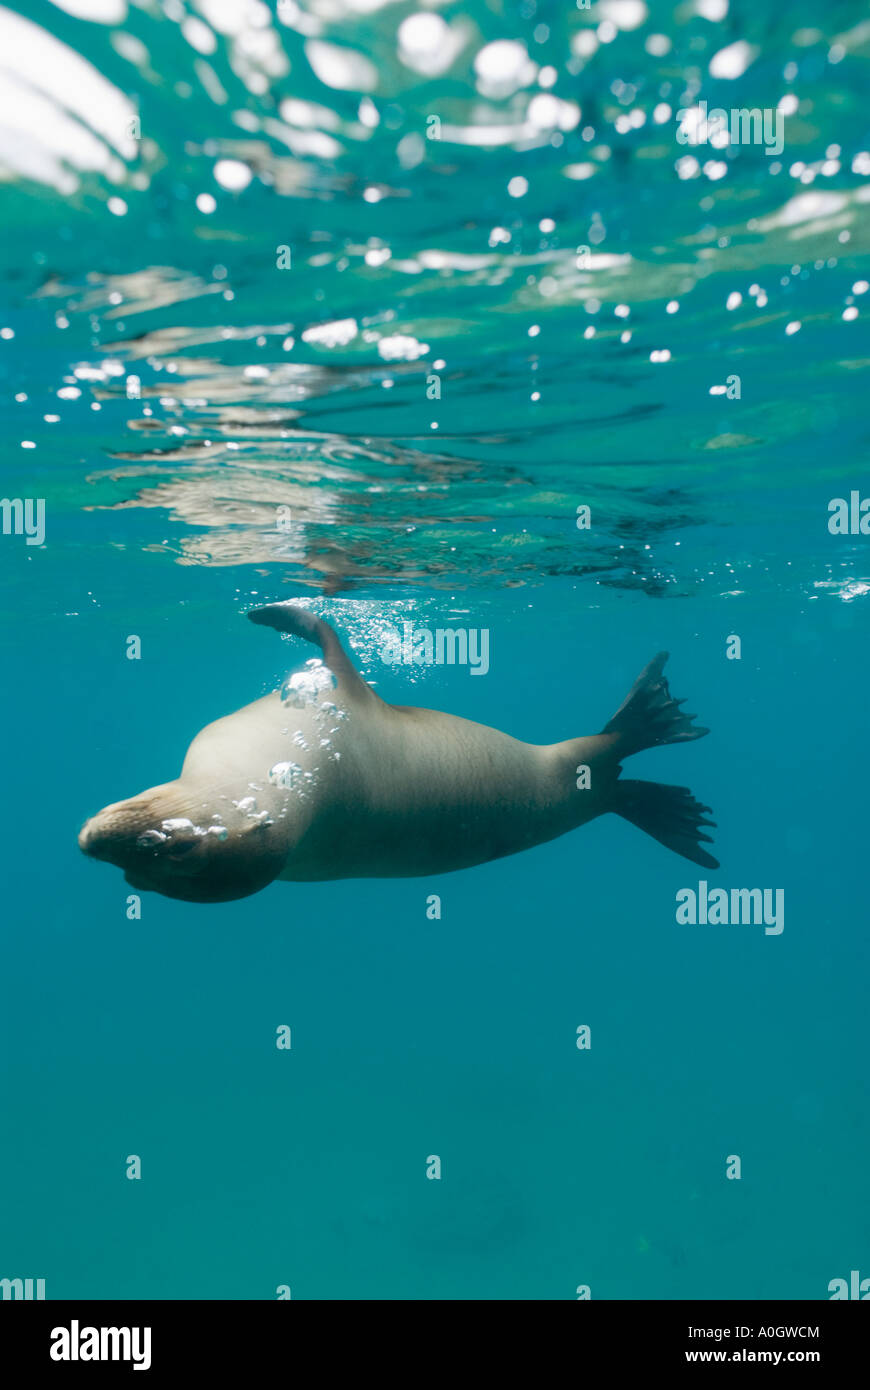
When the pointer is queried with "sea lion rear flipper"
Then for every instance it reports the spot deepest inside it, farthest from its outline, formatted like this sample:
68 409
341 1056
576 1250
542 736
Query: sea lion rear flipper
649 715
670 815
289 617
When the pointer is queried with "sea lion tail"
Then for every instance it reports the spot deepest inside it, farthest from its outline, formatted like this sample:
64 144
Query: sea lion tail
649 715
670 815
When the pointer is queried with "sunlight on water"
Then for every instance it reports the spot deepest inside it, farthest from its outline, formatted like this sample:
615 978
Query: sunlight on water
360 295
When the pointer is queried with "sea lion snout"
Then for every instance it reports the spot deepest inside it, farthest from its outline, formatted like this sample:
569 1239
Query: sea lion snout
91 840
128 830
161 850
106 835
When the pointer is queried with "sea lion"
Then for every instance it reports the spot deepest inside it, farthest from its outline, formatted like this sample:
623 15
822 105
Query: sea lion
324 780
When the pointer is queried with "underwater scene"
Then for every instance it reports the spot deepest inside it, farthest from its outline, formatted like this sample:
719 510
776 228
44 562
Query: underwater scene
421 420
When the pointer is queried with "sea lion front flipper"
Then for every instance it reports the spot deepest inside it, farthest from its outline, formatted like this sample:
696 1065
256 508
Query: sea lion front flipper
289 617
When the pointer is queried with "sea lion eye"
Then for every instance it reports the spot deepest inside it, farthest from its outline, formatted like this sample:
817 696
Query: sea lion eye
182 847
151 839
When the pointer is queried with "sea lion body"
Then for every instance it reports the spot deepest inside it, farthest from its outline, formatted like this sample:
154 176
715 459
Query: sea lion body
414 793
324 780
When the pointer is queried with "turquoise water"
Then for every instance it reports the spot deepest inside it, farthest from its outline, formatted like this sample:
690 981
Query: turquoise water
315 389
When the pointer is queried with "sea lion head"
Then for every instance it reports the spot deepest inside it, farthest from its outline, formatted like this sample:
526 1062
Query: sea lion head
166 846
